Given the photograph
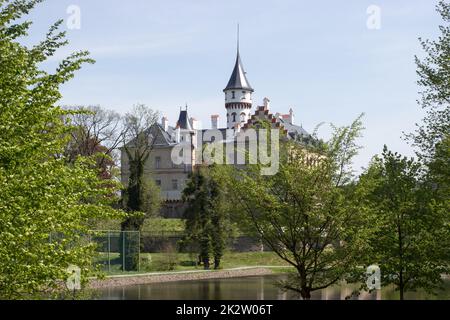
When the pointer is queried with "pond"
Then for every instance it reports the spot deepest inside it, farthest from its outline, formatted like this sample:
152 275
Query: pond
246 288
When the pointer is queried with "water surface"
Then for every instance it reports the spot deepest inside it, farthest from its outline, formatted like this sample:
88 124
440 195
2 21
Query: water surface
245 288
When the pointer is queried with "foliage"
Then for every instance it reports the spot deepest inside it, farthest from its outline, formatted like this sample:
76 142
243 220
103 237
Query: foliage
434 79
45 202
304 212
96 133
207 218
411 241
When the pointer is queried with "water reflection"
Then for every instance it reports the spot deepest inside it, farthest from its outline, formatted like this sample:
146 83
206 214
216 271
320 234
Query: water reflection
247 288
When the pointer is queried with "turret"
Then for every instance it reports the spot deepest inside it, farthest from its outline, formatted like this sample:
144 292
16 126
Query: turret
238 96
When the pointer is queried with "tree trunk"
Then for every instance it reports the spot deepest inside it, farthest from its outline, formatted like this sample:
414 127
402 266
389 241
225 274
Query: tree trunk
401 286
216 263
400 249
305 293
206 263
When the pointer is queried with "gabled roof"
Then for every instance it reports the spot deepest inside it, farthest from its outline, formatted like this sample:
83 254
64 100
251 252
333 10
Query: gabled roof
157 136
165 137
238 79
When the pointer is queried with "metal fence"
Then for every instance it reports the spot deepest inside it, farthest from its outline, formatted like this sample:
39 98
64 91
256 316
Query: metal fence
119 251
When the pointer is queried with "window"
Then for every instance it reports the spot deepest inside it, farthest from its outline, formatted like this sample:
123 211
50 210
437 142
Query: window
174 184
242 117
233 115
157 162
232 95
158 182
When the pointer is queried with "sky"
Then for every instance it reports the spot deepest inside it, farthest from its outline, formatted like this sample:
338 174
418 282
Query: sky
319 58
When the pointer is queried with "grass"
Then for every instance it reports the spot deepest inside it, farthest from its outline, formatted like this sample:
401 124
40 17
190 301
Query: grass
159 225
247 259
172 261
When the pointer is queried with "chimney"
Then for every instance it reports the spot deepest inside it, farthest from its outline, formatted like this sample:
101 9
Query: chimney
177 134
214 121
291 116
266 103
194 123
165 123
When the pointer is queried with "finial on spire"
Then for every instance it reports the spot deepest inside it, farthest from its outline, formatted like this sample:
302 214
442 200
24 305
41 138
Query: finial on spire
238 38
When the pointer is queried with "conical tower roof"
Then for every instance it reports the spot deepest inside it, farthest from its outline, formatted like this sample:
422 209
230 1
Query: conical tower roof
238 79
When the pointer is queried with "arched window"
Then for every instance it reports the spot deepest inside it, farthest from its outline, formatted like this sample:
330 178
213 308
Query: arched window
242 116
233 115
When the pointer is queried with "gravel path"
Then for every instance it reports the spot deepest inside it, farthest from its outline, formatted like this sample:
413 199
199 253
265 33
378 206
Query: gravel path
126 280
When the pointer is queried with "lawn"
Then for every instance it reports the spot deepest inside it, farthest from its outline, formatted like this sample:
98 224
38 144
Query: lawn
154 262
154 225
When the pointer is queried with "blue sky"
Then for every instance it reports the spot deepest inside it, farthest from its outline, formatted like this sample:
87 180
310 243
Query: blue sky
317 57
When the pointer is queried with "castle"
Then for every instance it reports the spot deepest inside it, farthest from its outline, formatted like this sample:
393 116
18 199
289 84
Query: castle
172 178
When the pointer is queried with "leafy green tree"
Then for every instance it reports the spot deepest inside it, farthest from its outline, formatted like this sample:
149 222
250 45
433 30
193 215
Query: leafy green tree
207 221
411 231
303 212
45 203
434 79
438 173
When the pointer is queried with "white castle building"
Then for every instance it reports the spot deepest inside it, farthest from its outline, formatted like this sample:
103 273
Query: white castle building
240 115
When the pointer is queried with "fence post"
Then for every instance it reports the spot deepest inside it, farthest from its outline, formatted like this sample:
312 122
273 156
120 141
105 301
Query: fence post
109 251
139 250
123 250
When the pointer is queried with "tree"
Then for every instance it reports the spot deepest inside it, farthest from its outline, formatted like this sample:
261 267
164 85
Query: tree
141 197
140 136
207 219
303 212
45 202
434 79
96 133
411 241
438 173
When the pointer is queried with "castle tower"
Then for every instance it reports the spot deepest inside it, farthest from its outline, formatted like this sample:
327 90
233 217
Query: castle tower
238 96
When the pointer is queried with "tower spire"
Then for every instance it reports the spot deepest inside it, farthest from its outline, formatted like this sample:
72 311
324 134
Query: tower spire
238 38
238 93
